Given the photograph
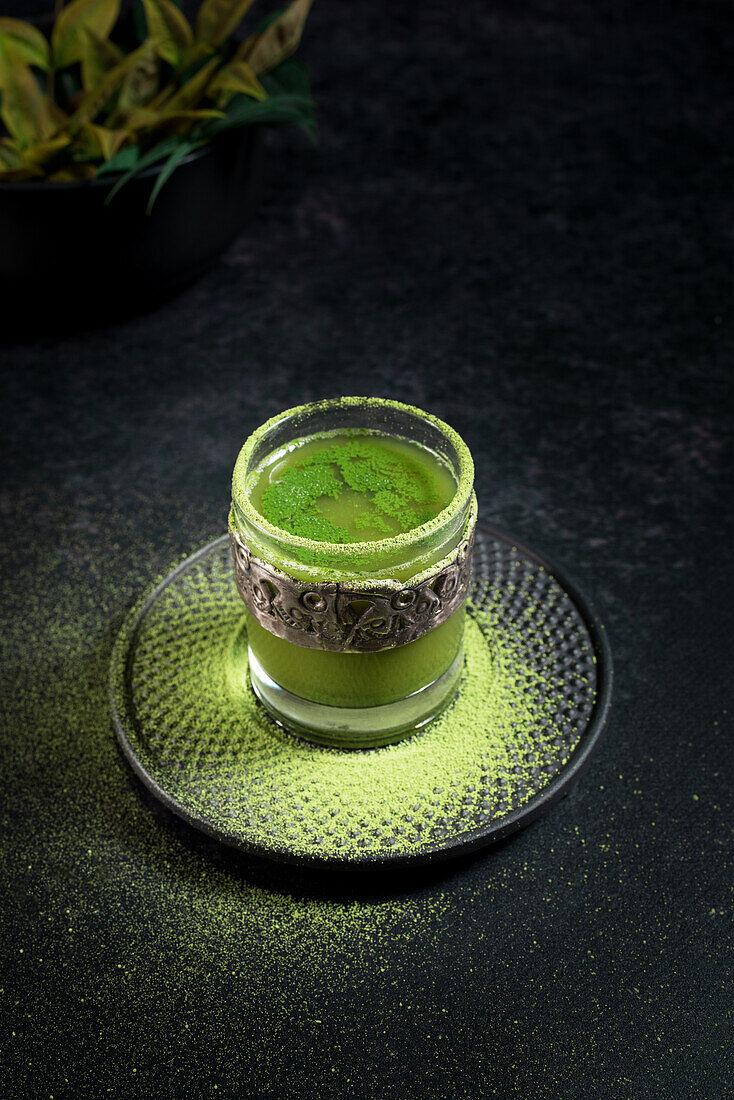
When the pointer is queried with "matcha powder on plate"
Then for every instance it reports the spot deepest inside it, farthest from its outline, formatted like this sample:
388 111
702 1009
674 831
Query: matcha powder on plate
193 726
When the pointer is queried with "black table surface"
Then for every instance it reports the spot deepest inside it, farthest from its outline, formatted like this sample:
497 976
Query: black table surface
520 218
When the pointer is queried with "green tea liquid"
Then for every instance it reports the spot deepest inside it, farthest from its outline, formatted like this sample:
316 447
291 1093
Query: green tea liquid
344 487
351 487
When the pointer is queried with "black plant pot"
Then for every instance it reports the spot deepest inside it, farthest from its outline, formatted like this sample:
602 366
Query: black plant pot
67 258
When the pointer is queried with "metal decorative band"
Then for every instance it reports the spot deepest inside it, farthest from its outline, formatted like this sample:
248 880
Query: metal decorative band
336 617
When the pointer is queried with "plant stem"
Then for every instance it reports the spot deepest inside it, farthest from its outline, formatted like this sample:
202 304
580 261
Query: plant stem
51 74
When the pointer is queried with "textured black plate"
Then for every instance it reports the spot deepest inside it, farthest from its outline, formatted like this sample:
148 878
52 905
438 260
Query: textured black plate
193 732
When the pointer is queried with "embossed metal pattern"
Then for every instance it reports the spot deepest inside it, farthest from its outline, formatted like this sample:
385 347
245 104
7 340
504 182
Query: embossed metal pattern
340 618
247 786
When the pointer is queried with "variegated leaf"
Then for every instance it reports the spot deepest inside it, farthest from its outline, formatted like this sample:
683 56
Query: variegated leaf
17 175
99 56
170 27
35 156
23 108
217 19
190 93
26 41
142 118
279 39
38 155
73 173
92 102
68 37
100 141
237 78
141 83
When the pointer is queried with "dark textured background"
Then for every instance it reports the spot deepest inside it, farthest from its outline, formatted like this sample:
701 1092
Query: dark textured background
520 218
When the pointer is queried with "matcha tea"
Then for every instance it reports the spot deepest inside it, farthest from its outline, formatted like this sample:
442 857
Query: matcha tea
358 679
359 495
351 486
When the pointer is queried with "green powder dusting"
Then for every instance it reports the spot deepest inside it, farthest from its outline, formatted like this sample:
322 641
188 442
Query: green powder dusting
351 487
209 744
126 936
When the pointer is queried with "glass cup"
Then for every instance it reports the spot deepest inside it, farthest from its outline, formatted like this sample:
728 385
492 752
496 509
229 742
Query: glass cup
354 644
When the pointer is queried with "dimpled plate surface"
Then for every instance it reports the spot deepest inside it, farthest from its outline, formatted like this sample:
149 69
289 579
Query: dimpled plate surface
190 726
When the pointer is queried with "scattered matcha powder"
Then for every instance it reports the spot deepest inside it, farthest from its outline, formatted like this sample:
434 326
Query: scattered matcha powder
135 940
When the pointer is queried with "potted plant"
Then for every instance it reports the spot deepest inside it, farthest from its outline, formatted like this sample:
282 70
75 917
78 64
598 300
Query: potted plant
130 146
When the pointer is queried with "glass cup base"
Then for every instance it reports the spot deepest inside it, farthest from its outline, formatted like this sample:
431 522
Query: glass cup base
356 727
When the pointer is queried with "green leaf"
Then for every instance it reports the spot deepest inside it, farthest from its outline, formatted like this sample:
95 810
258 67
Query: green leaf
275 110
24 109
288 78
139 24
169 167
93 101
279 39
123 161
68 36
170 27
217 19
26 41
144 160
288 102
265 22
